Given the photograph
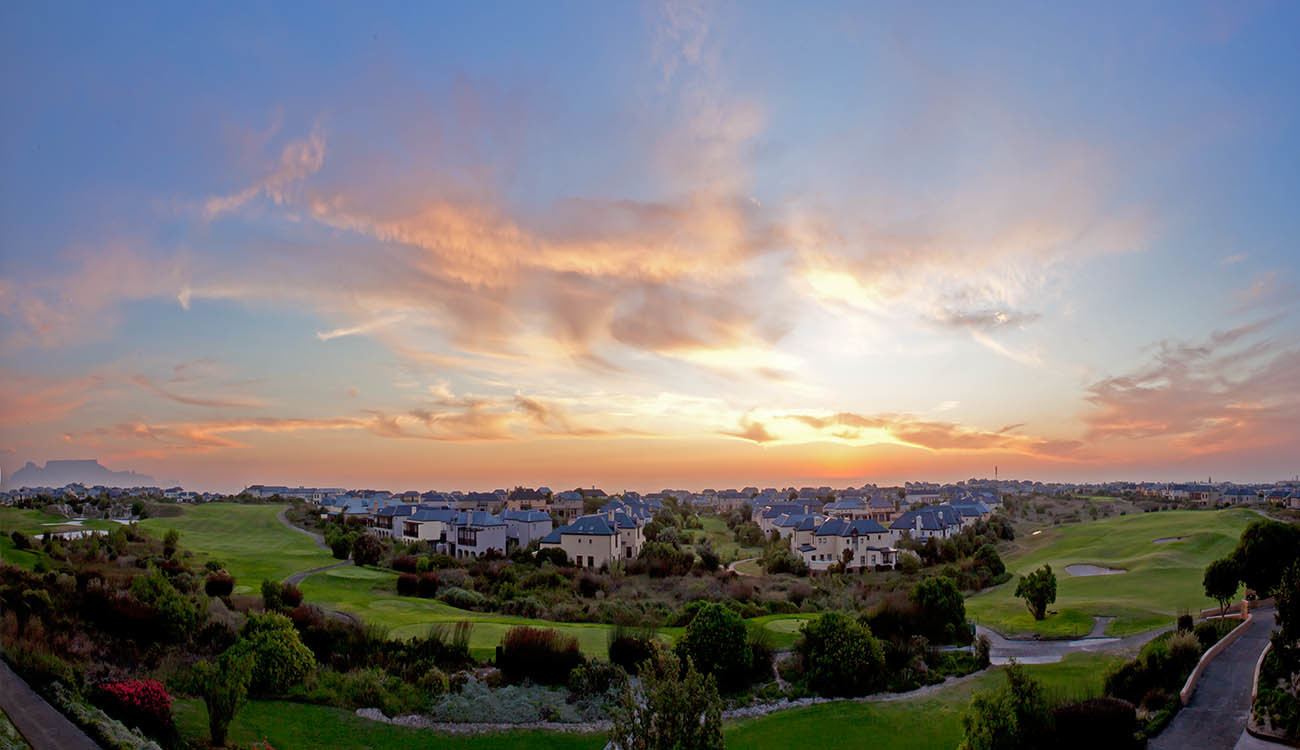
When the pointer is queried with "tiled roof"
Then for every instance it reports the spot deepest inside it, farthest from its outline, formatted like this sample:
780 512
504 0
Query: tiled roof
591 526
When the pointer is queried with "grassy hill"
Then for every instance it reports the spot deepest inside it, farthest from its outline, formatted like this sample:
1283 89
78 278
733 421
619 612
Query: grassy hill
1162 579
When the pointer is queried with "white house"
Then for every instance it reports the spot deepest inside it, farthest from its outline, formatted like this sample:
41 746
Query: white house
523 526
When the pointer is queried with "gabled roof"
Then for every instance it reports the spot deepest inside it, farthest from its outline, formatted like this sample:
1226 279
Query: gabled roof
478 518
846 503
404 509
525 516
556 536
841 527
932 519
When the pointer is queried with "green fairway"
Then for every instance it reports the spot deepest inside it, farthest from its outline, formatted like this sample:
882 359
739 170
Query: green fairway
371 594
249 539
931 721
1162 579
781 630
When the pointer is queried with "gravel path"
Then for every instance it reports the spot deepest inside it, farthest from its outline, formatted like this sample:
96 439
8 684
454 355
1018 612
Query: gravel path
40 723
296 578
1034 651
284 519
732 567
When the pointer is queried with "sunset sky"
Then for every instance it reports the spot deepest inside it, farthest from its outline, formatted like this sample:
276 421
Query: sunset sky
638 245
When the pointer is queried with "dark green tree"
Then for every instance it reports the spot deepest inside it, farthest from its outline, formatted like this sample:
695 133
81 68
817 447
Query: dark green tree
367 550
840 656
1038 589
1014 717
717 642
1266 548
224 689
1287 598
941 610
1221 581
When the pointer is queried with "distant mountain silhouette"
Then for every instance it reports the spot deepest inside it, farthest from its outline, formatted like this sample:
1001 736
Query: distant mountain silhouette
85 471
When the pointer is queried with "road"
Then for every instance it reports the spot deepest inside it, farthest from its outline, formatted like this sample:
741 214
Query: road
41 725
1217 713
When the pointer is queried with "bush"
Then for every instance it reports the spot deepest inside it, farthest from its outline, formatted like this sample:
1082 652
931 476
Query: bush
290 596
717 642
140 703
408 584
459 597
224 689
840 656
428 585
272 601
340 545
371 687
280 660
675 707
178 614
628 650
941 610
1185 623
1014 717
21 540
367 549
543 655
219 583
405 564
594 679
1099 722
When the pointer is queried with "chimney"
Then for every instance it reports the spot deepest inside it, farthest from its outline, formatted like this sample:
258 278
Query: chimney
918 521
611 516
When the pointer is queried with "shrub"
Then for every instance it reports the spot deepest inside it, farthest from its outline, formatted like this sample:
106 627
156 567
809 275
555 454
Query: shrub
553 555
428 585
140 703
798 593
675 707
177 613
1099 722
224 689
941 610
408 584
840 656
340 545
219 583
1013 717
718 644
1185 623
280 660
459 597
290 596
594 679
434 682
371 687
367 549
628 650
272 601
543 655
21 540
405 564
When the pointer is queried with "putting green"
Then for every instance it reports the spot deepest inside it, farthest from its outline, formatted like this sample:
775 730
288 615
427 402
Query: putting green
1162 581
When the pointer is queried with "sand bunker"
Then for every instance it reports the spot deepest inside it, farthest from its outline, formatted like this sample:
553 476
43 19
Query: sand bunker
1092 570
1168 539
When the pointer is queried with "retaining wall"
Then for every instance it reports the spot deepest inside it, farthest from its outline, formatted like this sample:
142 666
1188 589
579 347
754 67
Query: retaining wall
1189 687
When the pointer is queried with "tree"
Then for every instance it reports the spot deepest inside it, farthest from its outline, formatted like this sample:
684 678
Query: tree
717 643
840 656
280 660
676 707
1014 717
1038 589
271 599
941 610
1266 548
367 549
1287 598
224 689
988 556
1221 581
172 538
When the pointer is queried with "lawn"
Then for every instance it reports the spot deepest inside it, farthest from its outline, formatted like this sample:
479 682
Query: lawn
1162 581
931 721
248 539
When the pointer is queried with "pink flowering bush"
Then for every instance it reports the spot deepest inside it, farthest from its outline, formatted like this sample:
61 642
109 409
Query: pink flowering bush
141 703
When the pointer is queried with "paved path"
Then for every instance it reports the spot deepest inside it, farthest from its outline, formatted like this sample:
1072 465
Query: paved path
41 725
732 567
320 540
1034 651
1216 715
296 578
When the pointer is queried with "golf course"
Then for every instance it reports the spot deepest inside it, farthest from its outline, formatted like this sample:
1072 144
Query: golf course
930 720
1163 556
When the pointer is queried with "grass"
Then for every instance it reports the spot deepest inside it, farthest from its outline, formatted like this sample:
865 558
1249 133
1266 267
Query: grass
724 541
781 630
1162 581
248 539
930 721
371 594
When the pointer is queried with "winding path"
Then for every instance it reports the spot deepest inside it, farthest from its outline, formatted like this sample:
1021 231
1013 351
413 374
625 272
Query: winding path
732 567
1034 651
1217 713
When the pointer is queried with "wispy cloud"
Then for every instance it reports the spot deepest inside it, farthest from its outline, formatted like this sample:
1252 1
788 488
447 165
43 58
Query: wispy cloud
216 401
359 329
298 160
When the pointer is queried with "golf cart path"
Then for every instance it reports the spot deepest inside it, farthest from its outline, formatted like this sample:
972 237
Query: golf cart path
732 567
1220 706
1035 651
40 724
320 540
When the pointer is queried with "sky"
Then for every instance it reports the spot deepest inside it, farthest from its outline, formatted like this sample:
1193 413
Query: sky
650 244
